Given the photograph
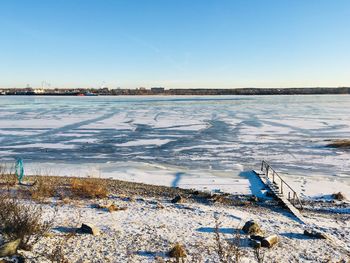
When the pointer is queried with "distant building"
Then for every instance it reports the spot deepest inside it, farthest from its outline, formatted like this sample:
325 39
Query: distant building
104 89
157 89
28 89
39 91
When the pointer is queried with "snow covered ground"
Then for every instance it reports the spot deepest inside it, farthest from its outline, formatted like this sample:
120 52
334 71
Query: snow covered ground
149 227
205 142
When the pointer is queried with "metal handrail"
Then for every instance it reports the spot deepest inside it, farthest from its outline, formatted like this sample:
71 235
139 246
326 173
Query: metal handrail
269 170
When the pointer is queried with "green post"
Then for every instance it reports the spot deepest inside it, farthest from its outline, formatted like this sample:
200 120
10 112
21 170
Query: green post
19 170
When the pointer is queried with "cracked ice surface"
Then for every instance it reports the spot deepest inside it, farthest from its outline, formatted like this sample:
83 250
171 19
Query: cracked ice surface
195 133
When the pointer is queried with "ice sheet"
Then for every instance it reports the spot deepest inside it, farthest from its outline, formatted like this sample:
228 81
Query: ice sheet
195 133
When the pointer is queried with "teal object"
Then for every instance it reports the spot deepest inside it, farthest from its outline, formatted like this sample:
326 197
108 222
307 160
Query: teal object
19 169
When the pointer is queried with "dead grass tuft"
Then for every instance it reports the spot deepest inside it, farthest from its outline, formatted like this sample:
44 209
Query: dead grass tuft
89 188
178 252
111 207
7 176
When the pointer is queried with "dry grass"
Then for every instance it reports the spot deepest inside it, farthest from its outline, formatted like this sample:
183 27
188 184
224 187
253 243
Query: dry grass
345 143
19 220
41 187
44 188
7 176
178 252
89 188
111 207
129 189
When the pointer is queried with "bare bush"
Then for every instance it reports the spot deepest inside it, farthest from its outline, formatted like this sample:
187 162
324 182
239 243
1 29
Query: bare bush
89 188
228 251
259 255
19 220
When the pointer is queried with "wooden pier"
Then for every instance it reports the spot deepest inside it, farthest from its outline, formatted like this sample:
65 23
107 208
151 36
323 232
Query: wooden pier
281 190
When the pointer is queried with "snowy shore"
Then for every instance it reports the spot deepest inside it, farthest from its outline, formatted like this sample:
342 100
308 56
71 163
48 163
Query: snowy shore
150 224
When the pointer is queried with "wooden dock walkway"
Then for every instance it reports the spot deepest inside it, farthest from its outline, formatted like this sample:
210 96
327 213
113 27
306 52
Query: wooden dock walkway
290 199
281 190
276 191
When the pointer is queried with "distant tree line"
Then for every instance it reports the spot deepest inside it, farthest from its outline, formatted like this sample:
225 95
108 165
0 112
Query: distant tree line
162 91
260 91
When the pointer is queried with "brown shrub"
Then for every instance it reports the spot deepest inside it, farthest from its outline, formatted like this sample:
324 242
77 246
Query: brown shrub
89 188
178 252
345 143
19 220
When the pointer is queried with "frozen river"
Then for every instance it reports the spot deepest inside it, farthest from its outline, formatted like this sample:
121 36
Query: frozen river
217 134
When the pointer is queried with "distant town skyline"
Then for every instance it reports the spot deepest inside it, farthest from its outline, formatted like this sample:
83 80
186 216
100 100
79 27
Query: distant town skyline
174 44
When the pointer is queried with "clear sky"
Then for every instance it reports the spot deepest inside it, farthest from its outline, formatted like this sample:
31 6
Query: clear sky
175 43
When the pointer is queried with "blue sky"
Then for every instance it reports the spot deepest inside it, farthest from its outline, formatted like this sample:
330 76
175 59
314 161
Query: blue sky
175 43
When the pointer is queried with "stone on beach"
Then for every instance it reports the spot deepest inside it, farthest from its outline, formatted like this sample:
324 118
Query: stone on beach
252 228
315 234
269 241
87 228
253 198
178 199
9 248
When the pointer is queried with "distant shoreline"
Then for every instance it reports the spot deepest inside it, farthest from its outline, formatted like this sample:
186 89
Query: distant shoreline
177 92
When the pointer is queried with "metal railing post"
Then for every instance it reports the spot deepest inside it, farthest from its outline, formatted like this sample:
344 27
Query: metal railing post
281 187
267 171
293 199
